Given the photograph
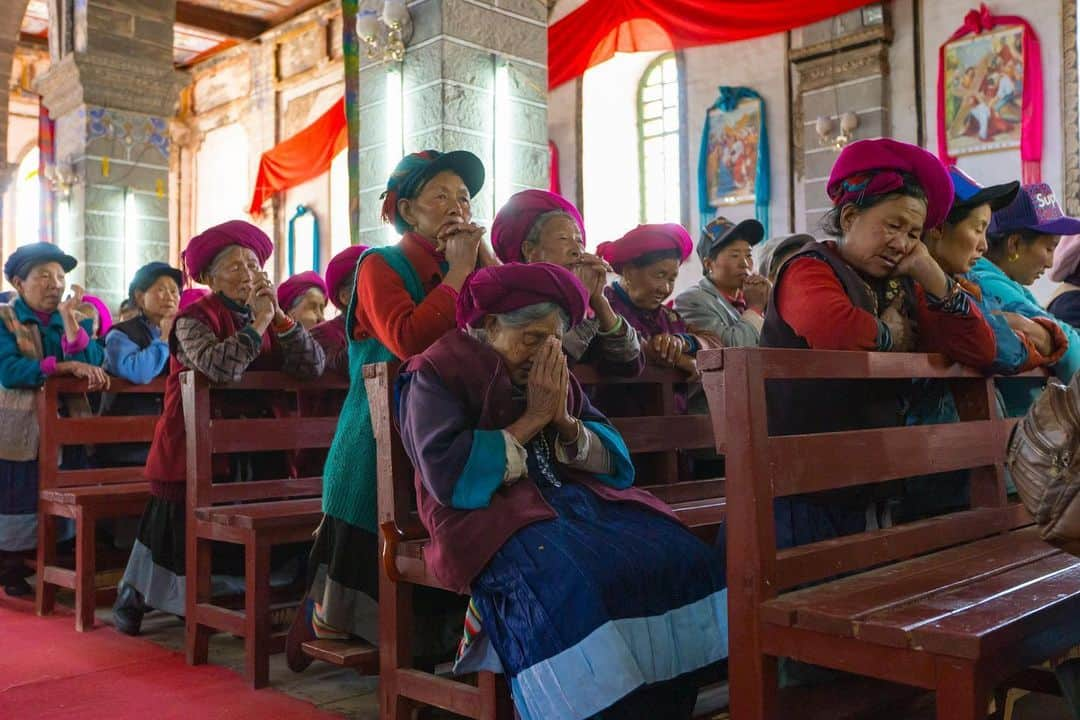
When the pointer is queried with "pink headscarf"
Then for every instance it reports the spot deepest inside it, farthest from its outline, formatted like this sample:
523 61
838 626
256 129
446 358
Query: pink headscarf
505 288
645 239
340 269
1066 259
104 316
204 247
294 288
192 296
515 219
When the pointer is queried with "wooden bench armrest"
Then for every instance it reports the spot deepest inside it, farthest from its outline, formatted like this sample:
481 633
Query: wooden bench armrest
392 535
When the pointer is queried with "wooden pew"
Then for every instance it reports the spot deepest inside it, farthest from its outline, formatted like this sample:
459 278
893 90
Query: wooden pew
659 437
402 686
257 515
84 496
956 604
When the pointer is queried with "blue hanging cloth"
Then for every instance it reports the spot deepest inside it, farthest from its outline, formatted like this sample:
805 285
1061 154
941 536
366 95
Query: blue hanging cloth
301 211
729 99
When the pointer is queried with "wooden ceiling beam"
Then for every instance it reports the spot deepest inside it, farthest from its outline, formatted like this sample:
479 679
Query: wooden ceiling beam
220 21
298 7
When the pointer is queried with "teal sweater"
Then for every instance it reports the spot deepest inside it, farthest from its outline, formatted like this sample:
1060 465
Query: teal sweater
19 371
1011 296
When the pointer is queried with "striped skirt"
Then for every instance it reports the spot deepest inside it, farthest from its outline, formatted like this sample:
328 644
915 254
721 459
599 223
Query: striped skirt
587 608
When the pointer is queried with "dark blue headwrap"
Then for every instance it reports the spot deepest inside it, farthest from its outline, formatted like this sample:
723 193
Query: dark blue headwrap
148 274
417 168
27 257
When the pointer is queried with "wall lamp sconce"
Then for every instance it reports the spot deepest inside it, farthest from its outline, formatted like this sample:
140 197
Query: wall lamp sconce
61 179
825 125
387 35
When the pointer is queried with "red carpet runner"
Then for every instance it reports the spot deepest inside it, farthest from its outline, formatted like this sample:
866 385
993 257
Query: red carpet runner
50 672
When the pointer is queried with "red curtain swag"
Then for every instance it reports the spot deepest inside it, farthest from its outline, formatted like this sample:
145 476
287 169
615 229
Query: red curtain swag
1031 109
304 156
598 29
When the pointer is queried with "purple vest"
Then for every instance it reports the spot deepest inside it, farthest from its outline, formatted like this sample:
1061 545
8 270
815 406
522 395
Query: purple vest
463 541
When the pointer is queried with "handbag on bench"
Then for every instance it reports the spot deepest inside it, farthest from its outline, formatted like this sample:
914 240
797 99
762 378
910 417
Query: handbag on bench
1043 461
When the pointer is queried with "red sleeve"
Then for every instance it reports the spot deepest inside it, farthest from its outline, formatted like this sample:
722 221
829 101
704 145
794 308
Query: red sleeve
812 301
386 311
967 339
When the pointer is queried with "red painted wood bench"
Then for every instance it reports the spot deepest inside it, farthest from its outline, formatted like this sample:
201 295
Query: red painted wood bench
86 495
957 604
402 686
257 515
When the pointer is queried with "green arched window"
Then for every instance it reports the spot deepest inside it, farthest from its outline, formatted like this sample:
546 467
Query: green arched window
658 141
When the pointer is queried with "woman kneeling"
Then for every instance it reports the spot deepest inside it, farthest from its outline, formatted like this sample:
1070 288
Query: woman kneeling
586 588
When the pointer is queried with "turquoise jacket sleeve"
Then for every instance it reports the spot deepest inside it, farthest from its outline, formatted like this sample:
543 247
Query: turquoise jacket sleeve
1012 297
93 353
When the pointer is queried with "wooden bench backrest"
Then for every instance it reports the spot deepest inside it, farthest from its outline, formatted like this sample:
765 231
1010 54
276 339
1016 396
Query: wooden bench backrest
761 467
209 435
657 436
58 432
646 434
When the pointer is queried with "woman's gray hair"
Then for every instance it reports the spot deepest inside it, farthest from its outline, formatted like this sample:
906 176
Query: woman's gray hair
533 236
524 316
212 268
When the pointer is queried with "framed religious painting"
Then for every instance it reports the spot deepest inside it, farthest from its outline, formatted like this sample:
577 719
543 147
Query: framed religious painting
983 91
731 155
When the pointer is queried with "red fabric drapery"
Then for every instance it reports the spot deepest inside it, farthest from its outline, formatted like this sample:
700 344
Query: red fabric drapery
304 156
600 28
1031 109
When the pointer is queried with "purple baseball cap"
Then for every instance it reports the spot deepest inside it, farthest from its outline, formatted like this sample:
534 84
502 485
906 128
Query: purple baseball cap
1034 208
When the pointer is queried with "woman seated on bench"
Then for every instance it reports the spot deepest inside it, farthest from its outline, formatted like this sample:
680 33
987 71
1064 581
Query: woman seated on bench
401 302
647 260
237 327
303 298
137 350
1023 237
340 280
40 335
539 226
875 287
592 596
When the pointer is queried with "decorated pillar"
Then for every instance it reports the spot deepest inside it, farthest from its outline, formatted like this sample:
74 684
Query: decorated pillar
474 77
111 92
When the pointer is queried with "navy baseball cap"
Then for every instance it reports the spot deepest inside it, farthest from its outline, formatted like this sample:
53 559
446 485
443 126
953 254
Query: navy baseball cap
722 231
970 194
1034 208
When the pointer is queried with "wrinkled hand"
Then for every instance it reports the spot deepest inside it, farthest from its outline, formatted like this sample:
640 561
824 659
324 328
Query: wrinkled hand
756 290
900 327
463 242
664 350
69 307
262 299
97 378
1039 336
592 272
546 392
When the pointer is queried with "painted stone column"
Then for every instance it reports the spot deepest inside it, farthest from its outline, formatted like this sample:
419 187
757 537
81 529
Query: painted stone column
474 78
112 91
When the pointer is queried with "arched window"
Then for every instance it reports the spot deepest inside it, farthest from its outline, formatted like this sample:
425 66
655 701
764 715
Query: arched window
658 134
28 200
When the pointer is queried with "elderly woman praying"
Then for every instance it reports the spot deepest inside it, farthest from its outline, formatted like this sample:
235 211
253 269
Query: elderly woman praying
528 494
238 326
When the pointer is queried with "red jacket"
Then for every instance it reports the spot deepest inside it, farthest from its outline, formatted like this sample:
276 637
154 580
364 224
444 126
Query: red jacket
166 465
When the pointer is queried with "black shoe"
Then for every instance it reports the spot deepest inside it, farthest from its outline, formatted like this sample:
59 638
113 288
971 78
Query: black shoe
300 632
128 610
17 587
